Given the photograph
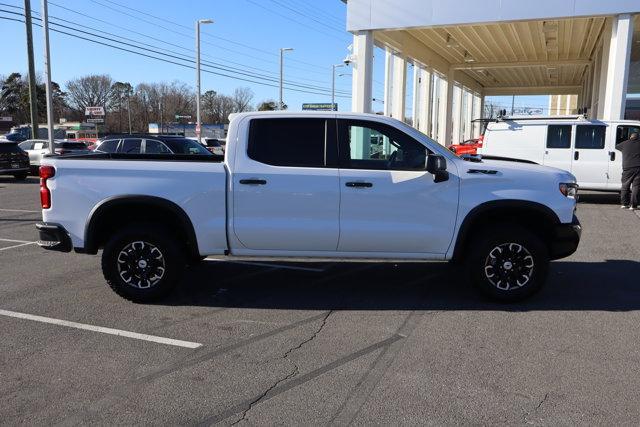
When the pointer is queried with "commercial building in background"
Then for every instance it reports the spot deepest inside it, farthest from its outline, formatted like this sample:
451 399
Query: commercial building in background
218 131
465 50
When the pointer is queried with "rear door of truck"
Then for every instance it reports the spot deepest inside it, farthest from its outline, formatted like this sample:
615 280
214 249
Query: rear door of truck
285 185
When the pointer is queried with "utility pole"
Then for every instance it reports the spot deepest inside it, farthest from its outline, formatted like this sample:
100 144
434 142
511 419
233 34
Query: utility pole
282 51
333 85
160 109
33 90
47 72
513 101
129 109
198 122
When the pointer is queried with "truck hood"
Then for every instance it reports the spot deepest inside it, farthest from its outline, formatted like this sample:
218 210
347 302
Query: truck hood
514 169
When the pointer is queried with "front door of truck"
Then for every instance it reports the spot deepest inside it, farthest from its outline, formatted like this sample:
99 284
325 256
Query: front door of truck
389 202
285 187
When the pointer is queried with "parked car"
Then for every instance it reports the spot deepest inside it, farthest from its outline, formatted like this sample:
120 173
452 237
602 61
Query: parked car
13 160
150 144
37 148
306 186
586 148
215 145
470 146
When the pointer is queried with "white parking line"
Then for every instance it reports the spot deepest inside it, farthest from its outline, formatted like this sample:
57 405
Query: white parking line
17 246
16 241
18 210
110 331
266 264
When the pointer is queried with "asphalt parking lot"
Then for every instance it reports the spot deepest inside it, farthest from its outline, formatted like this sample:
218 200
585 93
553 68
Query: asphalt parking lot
319 343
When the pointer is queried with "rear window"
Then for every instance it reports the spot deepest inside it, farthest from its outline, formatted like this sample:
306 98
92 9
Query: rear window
288 142
8 147
186 146
108 146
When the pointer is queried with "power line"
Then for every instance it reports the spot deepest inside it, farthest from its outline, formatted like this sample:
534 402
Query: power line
297 12
147 14
171 61
317 12
293 20
213 64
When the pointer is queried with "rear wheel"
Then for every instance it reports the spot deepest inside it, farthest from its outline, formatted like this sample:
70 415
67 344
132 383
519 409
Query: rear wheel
143 263
20 176
508 263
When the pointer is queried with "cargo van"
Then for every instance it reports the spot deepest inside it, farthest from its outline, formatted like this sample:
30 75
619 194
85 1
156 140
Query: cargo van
584 147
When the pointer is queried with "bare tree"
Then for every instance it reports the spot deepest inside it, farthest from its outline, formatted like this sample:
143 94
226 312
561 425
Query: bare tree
88 91
242 98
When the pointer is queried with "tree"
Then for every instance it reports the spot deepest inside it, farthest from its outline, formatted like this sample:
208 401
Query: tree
242 98
14 99
89 91
270 105
119 95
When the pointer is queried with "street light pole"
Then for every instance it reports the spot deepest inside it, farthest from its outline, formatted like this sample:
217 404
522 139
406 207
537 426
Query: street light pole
333 85
47 72
282 51
198 124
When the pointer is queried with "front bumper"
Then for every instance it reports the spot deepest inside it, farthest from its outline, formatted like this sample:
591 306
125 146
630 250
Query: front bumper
566 238
54 237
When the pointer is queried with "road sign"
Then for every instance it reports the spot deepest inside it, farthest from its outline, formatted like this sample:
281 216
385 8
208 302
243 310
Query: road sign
320 107
178 117
95 120
94 111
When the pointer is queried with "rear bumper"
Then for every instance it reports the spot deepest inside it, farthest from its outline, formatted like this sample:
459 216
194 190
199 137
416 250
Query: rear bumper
566 239
54 237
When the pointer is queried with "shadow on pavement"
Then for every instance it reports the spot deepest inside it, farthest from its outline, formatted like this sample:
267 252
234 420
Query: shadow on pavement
599 198
609 286
8 179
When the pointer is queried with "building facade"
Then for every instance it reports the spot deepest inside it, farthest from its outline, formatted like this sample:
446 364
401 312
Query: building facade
465 50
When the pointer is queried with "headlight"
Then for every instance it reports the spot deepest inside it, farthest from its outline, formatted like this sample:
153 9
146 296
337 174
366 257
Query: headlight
569 189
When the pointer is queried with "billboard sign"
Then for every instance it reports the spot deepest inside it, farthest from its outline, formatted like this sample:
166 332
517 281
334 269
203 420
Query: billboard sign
95 120
320 106
94 111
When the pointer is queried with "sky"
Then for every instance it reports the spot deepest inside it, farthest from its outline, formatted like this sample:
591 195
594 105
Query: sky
242 43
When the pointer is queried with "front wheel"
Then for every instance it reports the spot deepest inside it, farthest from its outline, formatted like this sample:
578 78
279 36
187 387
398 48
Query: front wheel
508 263
142 263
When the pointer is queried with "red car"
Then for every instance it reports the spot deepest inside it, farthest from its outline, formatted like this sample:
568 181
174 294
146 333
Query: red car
470 146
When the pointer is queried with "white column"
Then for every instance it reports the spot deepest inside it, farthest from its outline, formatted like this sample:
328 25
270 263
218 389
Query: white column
399 89
468 126
362 86
456 130
618 67
595 81
446 123
424 118
388 81
604 65
416 102
477 114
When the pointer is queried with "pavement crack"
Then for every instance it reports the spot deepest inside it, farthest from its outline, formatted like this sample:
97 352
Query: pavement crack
544 399
292 374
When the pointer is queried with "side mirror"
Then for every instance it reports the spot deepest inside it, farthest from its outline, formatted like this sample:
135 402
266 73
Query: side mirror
437 165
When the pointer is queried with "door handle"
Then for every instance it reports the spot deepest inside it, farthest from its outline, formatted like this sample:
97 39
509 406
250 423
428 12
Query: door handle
612 155
576 155
253 181
359 184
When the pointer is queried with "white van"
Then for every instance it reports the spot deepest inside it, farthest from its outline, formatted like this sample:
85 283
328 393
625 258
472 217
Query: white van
584 147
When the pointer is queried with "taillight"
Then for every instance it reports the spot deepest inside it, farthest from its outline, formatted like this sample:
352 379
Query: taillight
46 172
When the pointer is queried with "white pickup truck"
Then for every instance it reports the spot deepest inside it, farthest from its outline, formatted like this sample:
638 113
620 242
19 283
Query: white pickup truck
310 186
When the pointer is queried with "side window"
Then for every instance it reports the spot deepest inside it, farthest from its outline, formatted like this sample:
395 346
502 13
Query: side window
27 145
39 146
151 146
369 145
109 146
589 137
288 142
559 136
131 146
623 132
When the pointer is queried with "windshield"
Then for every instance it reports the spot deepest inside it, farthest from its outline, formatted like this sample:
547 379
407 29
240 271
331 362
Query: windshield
9 147
186 146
